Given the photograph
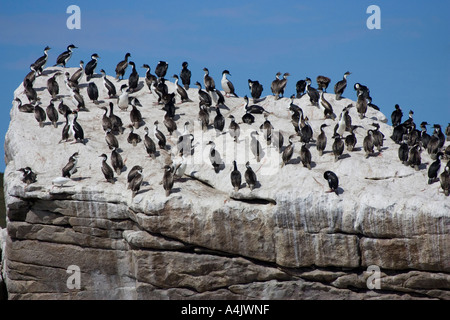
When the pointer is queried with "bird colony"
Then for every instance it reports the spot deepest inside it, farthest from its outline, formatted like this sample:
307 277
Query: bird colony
151 133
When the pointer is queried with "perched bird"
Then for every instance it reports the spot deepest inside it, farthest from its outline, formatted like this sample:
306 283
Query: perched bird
203 117
77 75
53 86
107 171
256 109
362 89
305 156
325 105
396 116
424 136
204 97
116 122
39 64
168 179
219 122
77 129
109 86
403 152
227 85
433 169
64 57
447 132
338 147
121 67
279 85
135 115
250 176
106 121
60 181
277 140
133 138
132 173
122 100
71 167
181 91
361 105
445 180
300 88
52 114
368 143
133 79
235 177
30 92
287 152
161 69
214 157
77 99
117 161
149 78
333 181
378 137
39 115
255 146
208 81
149 144
313 93
322 83
90 66
159 136
111 140
321 142
28 176
350 140
92 91
135 184
340 86
256 89
185 75
27 108
415 157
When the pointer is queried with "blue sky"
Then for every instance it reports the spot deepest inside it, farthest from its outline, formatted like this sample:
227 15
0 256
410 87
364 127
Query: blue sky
406 61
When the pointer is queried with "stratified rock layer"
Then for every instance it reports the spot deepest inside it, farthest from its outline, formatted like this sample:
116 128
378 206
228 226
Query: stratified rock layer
287 239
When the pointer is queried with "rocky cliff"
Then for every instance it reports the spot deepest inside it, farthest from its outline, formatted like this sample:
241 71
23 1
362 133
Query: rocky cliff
287 239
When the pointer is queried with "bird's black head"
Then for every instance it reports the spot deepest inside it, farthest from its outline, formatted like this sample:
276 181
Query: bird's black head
184 64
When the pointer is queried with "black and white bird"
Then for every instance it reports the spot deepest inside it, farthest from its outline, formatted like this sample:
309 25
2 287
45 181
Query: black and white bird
181 91
90 67
267 128
325 105
28 176
279 85
255 146
64 57
159 136
300 88
227 85
203 117
204 97
333 181
208 81
71 167
132 173
361 105
121 67
350 140
168 179
313 93
368 143
149 78
340 86
219 122
254 108
109 86
234 129
39 64
135 115
122 100
214 157
445 180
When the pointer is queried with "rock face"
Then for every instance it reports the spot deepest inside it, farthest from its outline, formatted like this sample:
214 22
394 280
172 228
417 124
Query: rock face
287 239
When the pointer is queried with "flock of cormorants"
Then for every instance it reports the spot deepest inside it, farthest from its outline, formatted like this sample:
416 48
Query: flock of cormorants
411 141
